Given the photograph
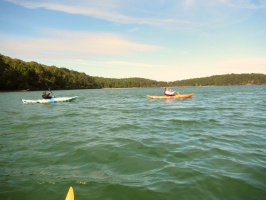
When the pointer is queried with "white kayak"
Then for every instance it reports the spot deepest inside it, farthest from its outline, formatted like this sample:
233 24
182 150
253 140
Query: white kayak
52 100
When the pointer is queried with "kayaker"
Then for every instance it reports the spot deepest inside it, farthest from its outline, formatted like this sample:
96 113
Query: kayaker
46 96
169 92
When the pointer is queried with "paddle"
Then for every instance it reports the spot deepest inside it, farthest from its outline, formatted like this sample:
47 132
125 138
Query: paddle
70 194
176 93
49 89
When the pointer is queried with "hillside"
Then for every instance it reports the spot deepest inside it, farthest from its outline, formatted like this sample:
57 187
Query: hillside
227 80
16 74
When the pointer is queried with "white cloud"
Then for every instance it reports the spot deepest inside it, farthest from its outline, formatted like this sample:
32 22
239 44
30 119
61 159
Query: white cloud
189 3
228 66
80 44
176 15
116 11
244 4
244 65
238 4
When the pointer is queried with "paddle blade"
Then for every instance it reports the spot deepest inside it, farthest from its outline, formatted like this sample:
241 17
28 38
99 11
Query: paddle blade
70 194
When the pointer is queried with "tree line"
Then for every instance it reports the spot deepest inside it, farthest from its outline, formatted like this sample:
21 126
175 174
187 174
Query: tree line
225 80
16 74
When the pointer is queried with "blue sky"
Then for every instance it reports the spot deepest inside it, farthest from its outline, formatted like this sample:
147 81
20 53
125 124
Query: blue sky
164 40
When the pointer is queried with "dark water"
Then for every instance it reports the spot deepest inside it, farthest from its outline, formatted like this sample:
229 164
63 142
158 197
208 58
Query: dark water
116 144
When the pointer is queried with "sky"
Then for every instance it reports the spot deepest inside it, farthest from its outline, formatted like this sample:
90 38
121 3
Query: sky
163 40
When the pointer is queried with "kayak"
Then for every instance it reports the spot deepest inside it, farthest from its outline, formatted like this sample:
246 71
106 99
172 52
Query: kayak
52 100
70 194
178 96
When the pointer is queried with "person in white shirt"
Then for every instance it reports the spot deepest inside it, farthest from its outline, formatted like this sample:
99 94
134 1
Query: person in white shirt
169 92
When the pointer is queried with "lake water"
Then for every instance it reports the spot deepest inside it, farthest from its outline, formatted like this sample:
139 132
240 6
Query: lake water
116 144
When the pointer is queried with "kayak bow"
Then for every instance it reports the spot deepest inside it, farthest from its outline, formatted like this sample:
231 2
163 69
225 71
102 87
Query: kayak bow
70 194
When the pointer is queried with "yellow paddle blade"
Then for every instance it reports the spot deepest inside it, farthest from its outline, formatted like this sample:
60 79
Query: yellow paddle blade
70 194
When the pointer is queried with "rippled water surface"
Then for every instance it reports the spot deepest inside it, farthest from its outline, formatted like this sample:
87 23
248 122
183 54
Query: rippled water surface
115 144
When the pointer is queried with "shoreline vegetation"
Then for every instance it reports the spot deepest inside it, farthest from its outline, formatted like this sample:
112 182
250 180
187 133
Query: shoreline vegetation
18 75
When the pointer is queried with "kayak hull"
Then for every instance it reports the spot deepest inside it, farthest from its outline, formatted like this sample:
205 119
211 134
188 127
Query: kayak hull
179 96
52 100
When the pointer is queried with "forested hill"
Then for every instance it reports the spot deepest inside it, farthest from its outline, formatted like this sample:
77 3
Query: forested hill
226 80
16 74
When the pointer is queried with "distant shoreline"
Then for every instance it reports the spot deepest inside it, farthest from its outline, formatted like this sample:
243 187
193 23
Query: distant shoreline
135 88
